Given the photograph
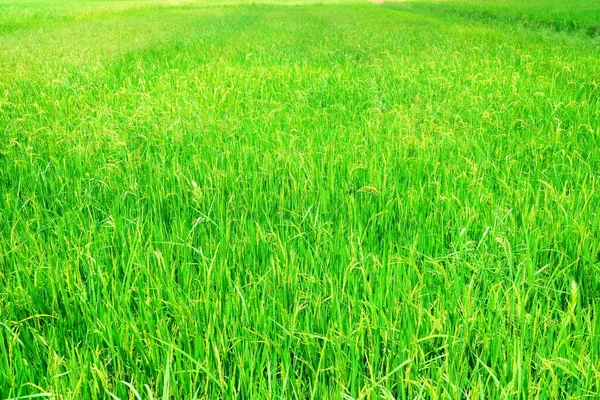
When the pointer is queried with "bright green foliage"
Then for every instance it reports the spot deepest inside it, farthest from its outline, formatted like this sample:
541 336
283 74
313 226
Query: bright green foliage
207 200
557 15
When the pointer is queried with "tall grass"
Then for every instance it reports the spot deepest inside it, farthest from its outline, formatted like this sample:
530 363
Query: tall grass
574 16
309 201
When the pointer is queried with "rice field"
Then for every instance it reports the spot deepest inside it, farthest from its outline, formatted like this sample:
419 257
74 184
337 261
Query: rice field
299 199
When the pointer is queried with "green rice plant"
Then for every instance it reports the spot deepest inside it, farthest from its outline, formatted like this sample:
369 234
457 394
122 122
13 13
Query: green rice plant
316 199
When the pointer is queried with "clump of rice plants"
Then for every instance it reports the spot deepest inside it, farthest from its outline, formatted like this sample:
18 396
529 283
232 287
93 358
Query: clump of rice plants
310 200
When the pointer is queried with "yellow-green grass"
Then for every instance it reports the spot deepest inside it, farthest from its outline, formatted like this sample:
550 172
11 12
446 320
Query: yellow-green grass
318 200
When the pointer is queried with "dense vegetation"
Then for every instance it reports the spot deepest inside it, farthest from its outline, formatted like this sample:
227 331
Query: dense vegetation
579 16
340 200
